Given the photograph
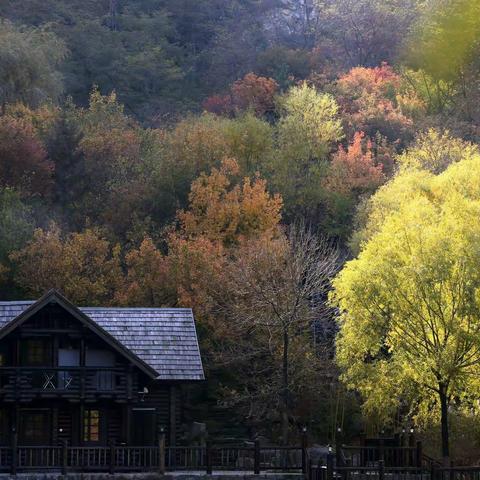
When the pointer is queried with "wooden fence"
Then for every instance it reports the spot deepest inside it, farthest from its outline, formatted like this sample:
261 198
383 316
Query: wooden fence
422 468
114 458
365 456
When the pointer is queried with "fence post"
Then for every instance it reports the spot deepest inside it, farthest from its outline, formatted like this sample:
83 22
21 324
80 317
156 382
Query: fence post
432 471
112 458
161 454
419 454
411 444
308 474
382 449
338 452
381 470
209 458
304 452
329 466
13 469
256 457
64 457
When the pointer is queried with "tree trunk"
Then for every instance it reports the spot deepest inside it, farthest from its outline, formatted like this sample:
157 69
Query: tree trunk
285 390
444 420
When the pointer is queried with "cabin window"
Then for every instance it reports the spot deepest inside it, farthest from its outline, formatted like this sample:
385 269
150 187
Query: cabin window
35 352
35 428
91 426
105 379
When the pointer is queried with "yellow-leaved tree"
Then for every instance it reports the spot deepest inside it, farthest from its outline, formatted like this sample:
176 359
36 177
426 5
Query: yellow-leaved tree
409 304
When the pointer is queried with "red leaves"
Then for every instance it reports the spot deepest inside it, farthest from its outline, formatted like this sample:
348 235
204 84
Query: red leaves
250 92
23 158
254 92
218 104
371 99
355 169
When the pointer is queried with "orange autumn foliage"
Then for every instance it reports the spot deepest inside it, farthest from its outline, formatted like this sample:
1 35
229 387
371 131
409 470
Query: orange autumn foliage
250 92
355 169
372 101
147 280
197 266
84 266
218 104
380 81
254 92
222 211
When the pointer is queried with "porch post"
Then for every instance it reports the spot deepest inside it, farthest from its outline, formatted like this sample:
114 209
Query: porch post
130 382
124 423
17 371
128 423
81 417
54 433
82 365
13 469
112 458
173 415
64 456
161 453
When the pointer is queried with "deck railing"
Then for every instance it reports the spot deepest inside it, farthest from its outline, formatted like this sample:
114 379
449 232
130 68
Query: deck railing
115 458
68 382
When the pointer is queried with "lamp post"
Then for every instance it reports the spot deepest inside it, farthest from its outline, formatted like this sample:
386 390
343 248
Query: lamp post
304 449
338 446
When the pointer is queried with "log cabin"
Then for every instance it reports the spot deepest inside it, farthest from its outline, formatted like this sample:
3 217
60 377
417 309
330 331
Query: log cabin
93 376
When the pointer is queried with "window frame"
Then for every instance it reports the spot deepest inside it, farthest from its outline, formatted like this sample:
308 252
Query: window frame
36 352
41 436
92 426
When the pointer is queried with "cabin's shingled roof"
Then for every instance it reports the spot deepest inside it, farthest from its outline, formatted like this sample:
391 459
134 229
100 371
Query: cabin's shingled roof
163 338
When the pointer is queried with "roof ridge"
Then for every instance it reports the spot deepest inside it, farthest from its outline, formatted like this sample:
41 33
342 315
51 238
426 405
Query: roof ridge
17 302
175 309
29 302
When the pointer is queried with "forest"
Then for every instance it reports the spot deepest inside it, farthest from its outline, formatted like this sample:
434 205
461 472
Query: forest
303 174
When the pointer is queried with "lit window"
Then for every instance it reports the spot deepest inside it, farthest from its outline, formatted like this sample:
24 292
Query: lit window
91 426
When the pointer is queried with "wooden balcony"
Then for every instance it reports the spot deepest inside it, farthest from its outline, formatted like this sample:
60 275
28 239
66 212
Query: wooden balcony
71 383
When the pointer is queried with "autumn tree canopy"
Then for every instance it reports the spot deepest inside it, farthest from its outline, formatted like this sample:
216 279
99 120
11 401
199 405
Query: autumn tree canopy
408 304
84 266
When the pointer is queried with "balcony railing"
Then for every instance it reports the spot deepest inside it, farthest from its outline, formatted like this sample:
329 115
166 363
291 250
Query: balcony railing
82 382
